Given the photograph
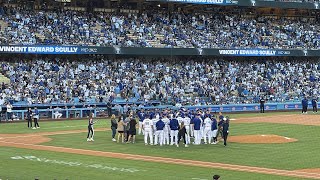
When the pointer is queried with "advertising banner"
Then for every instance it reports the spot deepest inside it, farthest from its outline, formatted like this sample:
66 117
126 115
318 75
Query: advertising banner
42 49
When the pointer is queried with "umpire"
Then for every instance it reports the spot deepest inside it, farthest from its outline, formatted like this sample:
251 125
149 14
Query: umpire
225 131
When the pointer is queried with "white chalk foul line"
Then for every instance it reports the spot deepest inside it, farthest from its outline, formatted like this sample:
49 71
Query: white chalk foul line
49 133
57 127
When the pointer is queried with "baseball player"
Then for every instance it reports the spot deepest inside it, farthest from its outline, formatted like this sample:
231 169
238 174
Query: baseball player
141 116
186 122
214 130
179 118
166 130
208 114
147 126
159 132
191 124
201 117
174 126
207 130
154 122
220 116
196 127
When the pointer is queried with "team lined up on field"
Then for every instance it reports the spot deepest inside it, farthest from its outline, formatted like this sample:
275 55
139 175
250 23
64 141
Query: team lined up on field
168 127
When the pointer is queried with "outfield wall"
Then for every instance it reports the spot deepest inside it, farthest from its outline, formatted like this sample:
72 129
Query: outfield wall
102 111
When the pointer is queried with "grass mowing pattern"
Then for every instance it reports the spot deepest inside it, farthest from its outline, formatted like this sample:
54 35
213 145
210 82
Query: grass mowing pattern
28 170
289 156
297 155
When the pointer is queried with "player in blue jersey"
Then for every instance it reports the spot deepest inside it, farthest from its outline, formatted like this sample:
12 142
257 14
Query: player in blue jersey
159 132
214 130
174 126
141 116
197 127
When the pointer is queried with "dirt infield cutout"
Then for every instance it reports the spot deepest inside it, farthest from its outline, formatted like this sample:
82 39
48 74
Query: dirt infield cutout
303 119
261 139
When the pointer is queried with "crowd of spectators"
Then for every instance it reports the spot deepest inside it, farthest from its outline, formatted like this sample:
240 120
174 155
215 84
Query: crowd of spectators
216 29
184 81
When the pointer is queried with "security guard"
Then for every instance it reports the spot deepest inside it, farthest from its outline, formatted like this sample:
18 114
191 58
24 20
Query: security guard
29 117
262 101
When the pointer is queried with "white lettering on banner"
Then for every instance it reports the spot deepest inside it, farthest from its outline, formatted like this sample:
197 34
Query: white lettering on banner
199 1
13 49
249 52
66 49
66 163
40 49
229 52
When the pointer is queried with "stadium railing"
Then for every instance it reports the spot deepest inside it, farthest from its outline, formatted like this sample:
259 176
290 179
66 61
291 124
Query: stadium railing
78 113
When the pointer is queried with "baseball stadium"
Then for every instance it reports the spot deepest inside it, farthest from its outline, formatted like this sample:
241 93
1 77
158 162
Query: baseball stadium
159 89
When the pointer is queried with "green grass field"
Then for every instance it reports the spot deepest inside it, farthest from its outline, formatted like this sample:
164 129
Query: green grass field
19 164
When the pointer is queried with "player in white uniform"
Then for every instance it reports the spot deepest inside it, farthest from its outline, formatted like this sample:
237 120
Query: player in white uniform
180 119
155 120
166 130
186 122
147 126
191 126
207 130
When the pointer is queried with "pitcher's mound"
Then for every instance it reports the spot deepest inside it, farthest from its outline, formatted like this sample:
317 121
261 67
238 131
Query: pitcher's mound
261 139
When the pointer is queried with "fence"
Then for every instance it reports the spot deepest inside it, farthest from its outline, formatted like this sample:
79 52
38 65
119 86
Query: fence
102 111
